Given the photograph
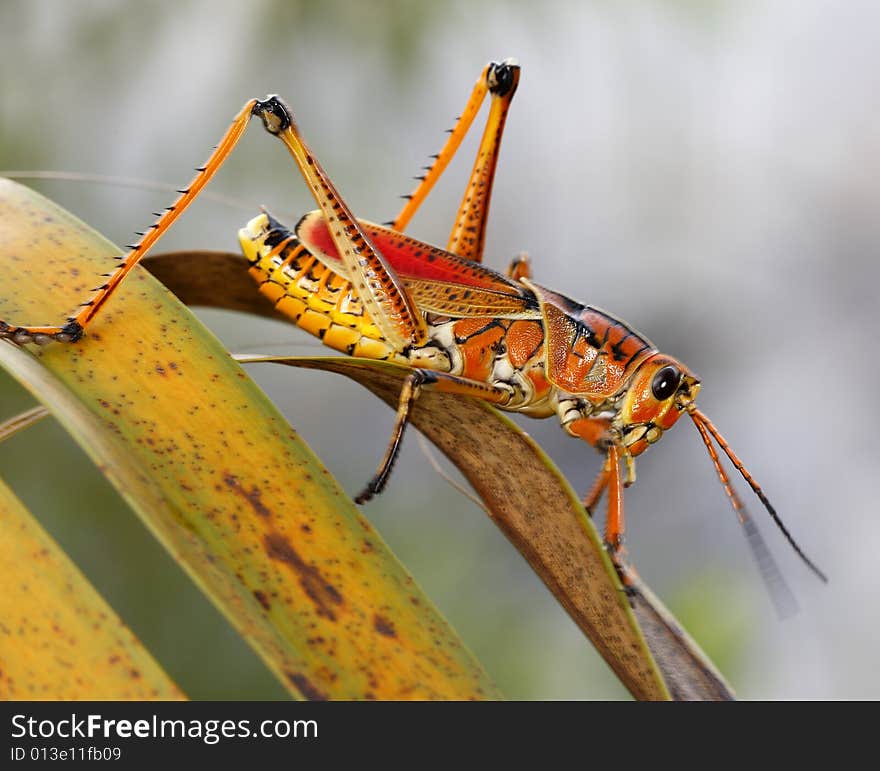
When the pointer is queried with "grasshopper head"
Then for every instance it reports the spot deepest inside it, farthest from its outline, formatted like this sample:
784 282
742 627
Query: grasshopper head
661 389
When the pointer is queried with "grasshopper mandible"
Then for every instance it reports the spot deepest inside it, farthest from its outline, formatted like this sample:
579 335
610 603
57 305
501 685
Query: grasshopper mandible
369 290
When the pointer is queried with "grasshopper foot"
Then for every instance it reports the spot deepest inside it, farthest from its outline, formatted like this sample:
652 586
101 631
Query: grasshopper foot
626 572
373 488
69 333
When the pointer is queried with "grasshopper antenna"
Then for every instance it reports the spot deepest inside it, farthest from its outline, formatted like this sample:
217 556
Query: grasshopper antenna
705 427
782 597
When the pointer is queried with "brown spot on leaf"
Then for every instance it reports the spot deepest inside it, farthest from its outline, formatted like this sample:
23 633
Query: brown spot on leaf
318 589
383 626
252 496
262 599
305 687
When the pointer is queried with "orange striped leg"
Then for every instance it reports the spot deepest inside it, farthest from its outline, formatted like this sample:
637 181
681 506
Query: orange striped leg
468 235
414 383
596 432
615 524
500 80
440 161
76 324
384 296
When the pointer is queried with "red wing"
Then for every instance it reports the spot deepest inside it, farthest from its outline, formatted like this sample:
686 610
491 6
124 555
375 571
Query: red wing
409 258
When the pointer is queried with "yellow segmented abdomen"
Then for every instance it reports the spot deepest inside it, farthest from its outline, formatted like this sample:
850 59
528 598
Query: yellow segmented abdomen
313 296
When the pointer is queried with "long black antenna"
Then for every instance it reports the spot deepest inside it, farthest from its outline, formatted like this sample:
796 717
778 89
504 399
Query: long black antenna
782 597
703 424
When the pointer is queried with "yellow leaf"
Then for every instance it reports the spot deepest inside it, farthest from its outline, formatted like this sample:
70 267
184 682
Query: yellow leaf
58 638
218 475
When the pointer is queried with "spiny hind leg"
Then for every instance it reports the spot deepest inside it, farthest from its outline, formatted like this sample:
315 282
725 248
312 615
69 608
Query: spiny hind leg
68 333
76 324
468 236
384 296
499 79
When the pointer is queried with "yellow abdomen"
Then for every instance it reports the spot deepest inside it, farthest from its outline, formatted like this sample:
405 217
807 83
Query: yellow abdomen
312 295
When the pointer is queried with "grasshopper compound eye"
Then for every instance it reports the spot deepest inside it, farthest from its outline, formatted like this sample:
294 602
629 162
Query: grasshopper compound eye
665 382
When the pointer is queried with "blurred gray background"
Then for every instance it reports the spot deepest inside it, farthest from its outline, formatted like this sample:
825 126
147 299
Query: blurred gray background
709 171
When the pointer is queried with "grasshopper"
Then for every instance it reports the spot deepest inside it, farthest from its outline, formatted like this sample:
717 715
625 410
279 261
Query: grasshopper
371 291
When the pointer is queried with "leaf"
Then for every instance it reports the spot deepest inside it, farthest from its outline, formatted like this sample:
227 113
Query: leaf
26 419
218 476
526 495
687 670
58 638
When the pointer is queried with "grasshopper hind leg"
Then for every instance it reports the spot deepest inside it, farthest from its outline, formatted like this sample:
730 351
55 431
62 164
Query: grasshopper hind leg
75 326
71 332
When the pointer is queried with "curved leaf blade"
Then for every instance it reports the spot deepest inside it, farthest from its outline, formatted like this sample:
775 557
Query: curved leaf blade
554 534
58 638
689 673
537 511
532 503
219 477
220 280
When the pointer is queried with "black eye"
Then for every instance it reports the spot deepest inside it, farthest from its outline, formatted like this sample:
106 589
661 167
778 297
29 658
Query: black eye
665 382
